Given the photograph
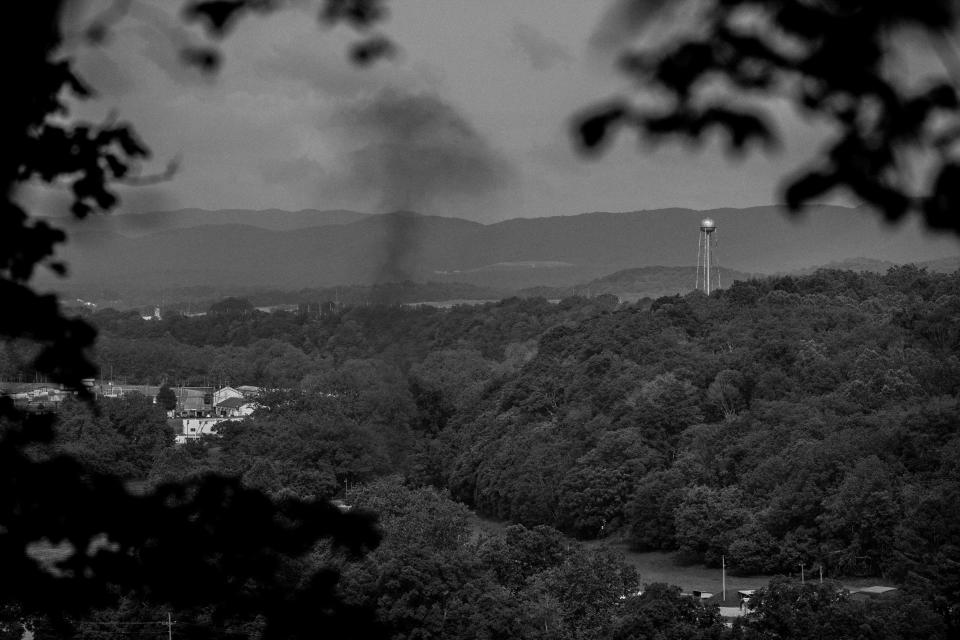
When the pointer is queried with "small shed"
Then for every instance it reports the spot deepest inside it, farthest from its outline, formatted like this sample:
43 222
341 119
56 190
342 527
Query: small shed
873 593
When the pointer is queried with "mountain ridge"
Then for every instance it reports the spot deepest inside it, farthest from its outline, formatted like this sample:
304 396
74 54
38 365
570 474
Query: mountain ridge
146 222
556 251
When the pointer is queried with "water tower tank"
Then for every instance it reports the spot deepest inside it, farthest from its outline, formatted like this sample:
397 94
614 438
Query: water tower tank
707 225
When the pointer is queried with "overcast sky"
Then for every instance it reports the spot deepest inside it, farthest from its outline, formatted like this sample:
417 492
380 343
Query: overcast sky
470 119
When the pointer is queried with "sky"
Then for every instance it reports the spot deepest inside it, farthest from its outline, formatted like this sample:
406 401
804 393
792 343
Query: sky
471 118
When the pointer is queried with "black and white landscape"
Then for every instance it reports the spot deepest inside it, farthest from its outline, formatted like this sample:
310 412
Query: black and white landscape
466 320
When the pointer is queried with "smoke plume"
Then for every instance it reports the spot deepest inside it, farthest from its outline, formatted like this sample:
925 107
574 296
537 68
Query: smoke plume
405 151
416 151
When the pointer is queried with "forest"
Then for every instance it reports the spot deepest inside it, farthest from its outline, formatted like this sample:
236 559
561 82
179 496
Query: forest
781 421
795 419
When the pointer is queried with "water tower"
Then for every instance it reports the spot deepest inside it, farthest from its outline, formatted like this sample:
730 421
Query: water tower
708 270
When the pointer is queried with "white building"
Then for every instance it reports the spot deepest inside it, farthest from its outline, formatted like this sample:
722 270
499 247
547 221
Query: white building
226 392
193 428
235 408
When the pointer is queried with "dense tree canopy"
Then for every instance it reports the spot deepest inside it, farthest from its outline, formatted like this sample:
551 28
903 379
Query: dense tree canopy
781 421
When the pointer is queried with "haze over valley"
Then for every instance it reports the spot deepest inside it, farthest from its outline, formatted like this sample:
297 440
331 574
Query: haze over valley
236 250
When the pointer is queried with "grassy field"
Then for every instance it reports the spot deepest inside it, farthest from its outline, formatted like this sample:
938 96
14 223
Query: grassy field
661 566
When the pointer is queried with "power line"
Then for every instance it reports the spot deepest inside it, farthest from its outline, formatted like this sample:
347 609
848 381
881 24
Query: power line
117 622
168 623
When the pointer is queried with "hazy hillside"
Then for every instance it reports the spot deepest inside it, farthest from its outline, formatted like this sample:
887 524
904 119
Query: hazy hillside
629 285
862 265
137 224
654 282
943 265
556 251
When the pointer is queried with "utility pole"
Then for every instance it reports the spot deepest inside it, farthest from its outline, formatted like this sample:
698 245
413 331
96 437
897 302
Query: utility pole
802 581
723 564
169 627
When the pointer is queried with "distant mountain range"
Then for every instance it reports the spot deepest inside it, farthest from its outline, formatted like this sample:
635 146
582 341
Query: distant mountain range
139 224
312 249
